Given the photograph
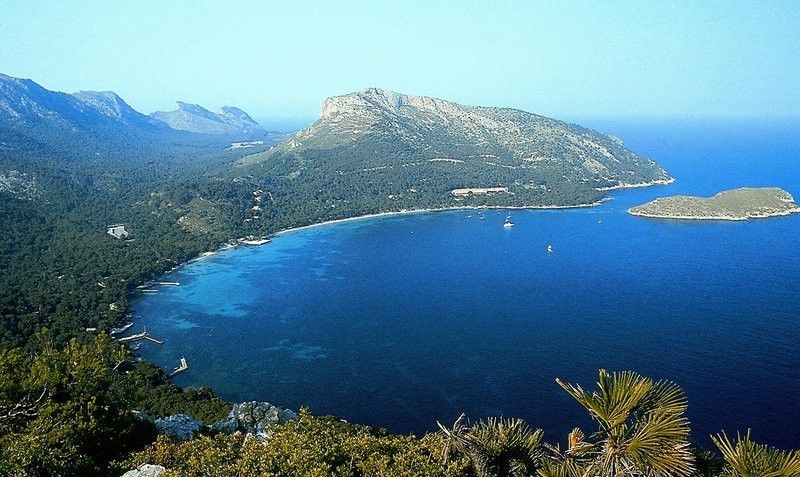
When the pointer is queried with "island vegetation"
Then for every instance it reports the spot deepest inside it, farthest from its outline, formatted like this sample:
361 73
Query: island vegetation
737 204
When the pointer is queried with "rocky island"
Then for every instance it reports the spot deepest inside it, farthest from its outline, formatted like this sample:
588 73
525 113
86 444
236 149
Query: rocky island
736 204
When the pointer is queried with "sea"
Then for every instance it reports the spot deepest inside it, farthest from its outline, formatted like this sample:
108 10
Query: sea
401 321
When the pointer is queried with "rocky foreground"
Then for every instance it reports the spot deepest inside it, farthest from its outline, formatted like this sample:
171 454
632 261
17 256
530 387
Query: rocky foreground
737 204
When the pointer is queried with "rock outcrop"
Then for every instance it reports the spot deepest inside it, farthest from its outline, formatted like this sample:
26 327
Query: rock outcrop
180 426
145 470
253 418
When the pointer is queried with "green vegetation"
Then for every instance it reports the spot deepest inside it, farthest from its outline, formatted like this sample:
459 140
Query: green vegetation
67 411
311 446
737 204
67 395
641 432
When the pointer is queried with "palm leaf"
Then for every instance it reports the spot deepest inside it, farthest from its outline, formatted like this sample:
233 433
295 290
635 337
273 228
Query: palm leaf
745 458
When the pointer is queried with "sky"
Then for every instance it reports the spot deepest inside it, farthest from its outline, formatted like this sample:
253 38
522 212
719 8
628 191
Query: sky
280 60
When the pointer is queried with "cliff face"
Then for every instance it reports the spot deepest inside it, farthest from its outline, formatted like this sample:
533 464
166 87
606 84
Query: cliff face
379 128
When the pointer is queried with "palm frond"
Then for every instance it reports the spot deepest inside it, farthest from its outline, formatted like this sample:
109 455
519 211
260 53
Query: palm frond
745 458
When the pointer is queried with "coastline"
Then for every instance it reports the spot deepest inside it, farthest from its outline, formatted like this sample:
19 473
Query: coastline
637 184
729 218
441 209
235 243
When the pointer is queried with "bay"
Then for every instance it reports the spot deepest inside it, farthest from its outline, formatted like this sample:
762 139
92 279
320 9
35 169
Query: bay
401 321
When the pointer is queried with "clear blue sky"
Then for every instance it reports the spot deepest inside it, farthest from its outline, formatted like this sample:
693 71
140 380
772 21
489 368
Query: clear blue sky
281 59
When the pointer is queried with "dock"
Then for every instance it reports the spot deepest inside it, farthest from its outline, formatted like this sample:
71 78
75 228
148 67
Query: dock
140 336
122 329
182 367
175 284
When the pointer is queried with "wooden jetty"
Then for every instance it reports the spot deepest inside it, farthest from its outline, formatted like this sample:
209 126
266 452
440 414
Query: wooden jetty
139 336
175 284
182 367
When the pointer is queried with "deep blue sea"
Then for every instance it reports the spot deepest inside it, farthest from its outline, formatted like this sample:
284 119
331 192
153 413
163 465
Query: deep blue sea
401 321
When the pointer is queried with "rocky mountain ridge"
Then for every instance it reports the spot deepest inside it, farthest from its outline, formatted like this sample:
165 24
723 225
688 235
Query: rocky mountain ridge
395 138
24 104
194 118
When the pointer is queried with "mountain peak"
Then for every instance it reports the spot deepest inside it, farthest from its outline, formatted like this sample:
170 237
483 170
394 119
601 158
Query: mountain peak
27 103
195 118
388 102
368 98
530 152
111 105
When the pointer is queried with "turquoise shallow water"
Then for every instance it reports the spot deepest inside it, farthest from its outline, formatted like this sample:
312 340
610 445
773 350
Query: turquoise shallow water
401 321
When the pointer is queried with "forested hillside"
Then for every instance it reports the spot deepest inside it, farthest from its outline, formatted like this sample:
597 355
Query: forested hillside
71 166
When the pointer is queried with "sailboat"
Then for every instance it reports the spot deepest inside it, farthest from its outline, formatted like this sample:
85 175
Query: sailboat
508 223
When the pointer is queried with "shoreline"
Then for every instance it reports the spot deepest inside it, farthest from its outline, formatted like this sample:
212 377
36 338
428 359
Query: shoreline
637 185
431 210
728 218
236 243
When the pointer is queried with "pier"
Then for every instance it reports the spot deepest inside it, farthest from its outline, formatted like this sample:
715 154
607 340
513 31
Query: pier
140 336
176 284
121 329
182 367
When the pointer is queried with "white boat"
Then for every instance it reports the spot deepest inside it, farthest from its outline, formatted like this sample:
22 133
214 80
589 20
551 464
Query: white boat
508 223
549 249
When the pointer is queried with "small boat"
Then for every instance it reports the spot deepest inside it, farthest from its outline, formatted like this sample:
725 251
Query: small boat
136 347
508 223
549 249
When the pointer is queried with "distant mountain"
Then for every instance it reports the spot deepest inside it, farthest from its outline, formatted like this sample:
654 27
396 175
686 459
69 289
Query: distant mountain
414 143
25 103
195 118
115 108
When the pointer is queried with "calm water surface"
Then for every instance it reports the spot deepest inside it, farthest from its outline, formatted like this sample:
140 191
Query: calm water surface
402 321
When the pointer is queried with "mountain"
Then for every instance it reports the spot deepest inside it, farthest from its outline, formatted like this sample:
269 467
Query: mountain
406 145
25 103
115 108
195 118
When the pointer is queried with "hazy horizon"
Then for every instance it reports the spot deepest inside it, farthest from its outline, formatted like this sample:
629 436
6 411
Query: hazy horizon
625 58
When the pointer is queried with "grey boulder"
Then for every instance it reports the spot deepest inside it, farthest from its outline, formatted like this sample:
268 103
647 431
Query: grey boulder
145 470
180 426
253 418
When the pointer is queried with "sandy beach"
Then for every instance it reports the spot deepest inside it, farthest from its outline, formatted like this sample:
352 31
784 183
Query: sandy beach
443 209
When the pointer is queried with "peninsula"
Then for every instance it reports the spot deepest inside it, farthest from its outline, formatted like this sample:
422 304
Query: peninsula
736 204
